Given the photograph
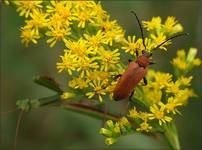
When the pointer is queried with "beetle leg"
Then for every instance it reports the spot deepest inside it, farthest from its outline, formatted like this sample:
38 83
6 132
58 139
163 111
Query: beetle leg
145 80
129 60
130 99
117 76
136 52
151 63
131 95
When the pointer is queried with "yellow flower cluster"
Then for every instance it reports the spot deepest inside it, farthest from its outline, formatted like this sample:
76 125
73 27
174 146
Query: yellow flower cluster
161 97
184 63
115 130
93 42
91 58
158 33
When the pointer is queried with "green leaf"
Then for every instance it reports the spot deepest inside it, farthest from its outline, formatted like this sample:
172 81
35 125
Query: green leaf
48 82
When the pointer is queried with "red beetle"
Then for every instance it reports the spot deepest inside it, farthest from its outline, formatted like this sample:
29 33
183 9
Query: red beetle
136 70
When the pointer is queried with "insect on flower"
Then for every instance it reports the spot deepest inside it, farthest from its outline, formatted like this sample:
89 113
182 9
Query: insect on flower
136 70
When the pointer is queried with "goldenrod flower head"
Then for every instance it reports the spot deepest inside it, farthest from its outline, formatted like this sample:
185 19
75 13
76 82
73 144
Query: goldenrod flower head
185 81
158 112
110 141
183 95
98 89
144 127
144 116
78 83
95 41
160 38
171 105
173 87
25 8
184 63
57 34
109 59
28 35
67 95
131 46
153 24
38 20
133 113
172 25
160 80
68 63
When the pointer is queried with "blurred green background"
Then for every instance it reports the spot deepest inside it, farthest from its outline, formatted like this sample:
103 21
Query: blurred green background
51 128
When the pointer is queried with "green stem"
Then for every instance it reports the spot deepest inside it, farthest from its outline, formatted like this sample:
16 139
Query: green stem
49 100
171 136
79 108
90 111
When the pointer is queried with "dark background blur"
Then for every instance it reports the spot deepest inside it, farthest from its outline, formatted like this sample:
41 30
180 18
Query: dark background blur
53 128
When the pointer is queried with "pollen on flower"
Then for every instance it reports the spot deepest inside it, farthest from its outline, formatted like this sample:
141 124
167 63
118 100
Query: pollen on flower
28 36
153 24
144 127
158 112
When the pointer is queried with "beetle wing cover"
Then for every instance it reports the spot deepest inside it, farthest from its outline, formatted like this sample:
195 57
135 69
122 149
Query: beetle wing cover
130 78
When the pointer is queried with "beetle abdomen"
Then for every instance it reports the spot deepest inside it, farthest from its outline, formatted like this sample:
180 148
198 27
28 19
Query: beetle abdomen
128 81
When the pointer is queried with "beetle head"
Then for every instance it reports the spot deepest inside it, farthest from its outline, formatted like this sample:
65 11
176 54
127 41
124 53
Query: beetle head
146 53
144 60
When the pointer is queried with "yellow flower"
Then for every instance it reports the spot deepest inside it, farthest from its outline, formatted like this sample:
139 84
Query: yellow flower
172 26
131 46
28 36
38 20
98 89
159 113
153 24
109 59
68 63
185 81
144 116
133 113
57 34
79 48
110 141
113 35
96 74
83 17
86 64
123 122
152 95
98 11
181 54
160 38
196 62
171 105
26 7
62 8
106 25
183 95
160 80
95 41
144 127
78 83
180 64
67 95
173 87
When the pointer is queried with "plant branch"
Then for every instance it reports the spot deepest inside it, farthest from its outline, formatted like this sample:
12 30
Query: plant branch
90 111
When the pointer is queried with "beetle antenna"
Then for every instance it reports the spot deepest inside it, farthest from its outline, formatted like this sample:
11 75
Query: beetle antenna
172 37
140 27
